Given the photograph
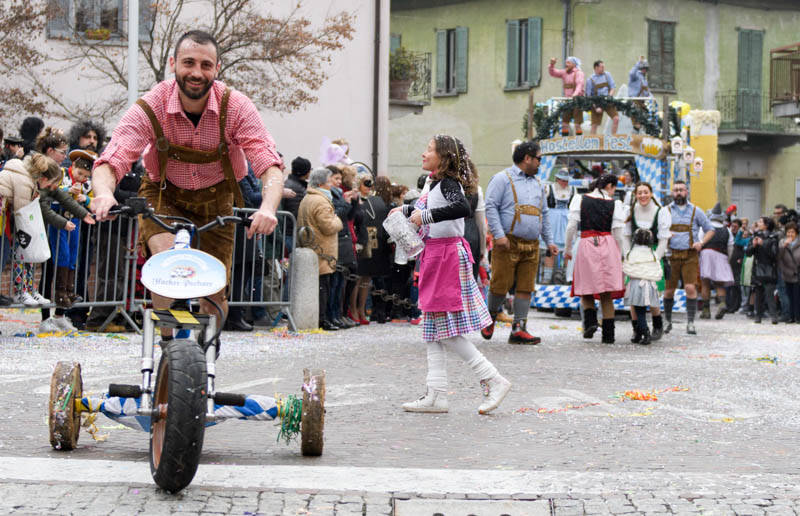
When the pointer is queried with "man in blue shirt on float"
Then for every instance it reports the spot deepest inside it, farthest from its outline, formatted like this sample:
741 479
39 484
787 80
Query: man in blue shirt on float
516 211
602 84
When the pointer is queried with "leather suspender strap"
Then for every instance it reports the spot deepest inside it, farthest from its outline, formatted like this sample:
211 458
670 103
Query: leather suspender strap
162 146
224 155
526 209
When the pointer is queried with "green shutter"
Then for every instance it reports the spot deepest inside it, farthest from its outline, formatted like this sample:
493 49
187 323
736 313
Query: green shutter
668 56
748 79
58 16
534 51
462 45
742 71
654 54
394 43
512 54
441 60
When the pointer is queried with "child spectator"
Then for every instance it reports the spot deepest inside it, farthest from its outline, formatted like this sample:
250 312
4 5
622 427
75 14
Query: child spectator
20 182
643 268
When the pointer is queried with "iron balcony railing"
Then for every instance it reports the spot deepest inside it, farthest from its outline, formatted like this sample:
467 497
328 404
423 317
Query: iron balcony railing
750 111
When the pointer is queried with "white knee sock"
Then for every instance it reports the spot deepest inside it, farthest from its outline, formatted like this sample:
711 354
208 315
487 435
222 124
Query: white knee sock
437 370
470 354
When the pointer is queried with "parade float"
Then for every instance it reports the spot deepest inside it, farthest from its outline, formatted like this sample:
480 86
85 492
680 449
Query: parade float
684 147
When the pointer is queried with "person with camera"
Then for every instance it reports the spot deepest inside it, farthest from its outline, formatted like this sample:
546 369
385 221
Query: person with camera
764 250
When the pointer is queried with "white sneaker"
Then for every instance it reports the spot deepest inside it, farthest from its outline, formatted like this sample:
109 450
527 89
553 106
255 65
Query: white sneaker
49 325
433 401
495 389
25 298
40 299
65 324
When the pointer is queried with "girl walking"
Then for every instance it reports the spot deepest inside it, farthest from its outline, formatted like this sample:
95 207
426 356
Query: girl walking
449 298
643 269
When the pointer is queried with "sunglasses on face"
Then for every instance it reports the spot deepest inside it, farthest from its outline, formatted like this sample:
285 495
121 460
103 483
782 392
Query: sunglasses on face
367 183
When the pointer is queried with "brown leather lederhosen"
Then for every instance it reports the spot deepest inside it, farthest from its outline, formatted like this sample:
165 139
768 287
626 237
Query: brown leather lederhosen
520 210
167 150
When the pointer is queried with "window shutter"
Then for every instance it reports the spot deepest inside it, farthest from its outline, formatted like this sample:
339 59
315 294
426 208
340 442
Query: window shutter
756 56
394 42
743 65
58 16
534 51
441 60
654 54
668 56
146 18
461 59
512 54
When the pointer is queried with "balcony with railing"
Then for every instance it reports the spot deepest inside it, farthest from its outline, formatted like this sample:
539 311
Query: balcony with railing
784 80
750 112
409 82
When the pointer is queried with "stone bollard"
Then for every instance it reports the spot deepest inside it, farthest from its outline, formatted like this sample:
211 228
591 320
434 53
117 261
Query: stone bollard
304 293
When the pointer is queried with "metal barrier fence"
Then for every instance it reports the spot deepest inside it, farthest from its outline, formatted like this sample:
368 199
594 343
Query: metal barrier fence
102 263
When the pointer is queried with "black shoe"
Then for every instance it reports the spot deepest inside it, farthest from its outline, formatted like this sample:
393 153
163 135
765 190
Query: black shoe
757 319
589 323
721 312
5 300
328 326
263 322
774 321
645 338
608 331
341 322
658 328
637 335
237 325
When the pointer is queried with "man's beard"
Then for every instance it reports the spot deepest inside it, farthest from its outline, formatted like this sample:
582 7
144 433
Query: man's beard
90 146
680 201
192 95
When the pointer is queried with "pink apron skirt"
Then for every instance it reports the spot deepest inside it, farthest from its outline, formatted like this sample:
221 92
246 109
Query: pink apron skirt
439 283
598 268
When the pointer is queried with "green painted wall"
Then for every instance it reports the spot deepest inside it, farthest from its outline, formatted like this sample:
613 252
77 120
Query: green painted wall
487 118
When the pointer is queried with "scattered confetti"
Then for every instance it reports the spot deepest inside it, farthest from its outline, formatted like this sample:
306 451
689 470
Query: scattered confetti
618 398
768 359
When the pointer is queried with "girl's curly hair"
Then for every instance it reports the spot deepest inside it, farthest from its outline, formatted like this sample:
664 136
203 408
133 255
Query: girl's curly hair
455 162
50 138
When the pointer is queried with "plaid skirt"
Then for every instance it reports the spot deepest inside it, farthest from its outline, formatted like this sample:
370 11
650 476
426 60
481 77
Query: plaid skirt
474 316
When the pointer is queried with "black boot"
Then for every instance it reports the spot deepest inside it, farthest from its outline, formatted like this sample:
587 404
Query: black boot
637 335
658 328
608 331
589 323
645 337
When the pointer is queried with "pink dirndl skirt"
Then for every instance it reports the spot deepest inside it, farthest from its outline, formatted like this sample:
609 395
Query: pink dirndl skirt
714 266
472 315
598 268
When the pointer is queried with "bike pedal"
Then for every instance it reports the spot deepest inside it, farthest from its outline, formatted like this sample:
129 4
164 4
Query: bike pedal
230 399
124 391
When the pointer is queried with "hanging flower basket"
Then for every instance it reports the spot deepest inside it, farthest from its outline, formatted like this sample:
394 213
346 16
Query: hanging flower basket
98 34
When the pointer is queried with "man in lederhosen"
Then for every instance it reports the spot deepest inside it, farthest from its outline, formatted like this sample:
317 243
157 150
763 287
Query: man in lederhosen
197 136
637 85
601 83
684 249
516 210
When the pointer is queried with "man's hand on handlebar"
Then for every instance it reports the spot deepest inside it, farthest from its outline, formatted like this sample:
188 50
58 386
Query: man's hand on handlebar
263 222
100 206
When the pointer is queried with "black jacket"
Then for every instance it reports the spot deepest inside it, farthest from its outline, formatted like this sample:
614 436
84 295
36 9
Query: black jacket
292 205
346 211
765 259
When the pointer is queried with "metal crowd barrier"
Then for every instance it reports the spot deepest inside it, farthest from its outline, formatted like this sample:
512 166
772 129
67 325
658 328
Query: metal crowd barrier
108 266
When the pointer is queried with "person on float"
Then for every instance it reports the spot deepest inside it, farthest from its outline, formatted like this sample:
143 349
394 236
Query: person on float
637 86
715 267
602 84
449 298
684 248
518 215
646 213
598 264
572 77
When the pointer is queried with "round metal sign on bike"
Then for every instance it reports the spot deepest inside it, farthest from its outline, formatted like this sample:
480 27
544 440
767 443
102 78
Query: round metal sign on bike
184 274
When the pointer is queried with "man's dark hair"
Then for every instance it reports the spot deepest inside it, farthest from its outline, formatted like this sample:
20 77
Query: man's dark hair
82 128
781 207
769 223
528 148
737 221
200 37
421 181
678 182
300 166
29 131
597 63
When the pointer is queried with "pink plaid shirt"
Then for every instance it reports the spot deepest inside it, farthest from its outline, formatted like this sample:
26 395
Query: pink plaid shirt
574 78
244 132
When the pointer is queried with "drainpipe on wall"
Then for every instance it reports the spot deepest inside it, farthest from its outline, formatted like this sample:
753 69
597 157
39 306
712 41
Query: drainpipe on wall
566 31
376 87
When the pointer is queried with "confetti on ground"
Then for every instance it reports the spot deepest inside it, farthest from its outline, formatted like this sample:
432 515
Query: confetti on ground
618 398
725 420
768 359
71 334
557 327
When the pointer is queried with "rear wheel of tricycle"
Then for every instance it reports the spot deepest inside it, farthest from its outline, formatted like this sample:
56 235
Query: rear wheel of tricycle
178 424
312 422
66 385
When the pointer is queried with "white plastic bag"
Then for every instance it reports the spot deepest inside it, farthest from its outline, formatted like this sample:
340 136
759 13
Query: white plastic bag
30 233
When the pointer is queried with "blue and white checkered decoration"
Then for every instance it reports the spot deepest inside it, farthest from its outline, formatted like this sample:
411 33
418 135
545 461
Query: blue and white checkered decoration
558 296
545 166
650 171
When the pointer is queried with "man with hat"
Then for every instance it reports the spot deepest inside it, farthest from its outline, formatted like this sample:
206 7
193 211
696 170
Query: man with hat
517 213
573 80
12 149
637 85
714 262
197 136
684 248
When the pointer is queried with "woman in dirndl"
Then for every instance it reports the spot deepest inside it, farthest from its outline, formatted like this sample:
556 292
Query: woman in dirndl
449 298
646 213
598 264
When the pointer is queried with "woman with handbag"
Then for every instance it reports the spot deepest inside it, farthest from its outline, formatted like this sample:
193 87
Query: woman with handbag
20 182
